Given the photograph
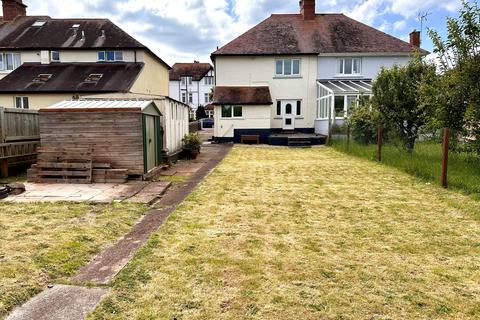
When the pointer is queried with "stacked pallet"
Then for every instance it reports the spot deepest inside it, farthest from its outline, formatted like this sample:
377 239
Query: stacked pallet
62 165
72 165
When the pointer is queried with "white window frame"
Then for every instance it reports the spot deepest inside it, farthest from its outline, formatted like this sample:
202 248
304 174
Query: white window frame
15 62
208 80
291 75
232 113
184 97
207 97
190 97
282 113
51 56
22 102
115 54
341 66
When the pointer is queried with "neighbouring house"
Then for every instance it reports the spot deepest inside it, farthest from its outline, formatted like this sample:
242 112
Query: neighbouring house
192 83
299 73
45 60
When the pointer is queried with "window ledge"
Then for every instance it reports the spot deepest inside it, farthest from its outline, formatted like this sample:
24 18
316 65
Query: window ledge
299 117
356 76
233 118
287 77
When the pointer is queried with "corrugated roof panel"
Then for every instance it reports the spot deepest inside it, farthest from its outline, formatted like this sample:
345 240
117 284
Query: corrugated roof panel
348 86
101 104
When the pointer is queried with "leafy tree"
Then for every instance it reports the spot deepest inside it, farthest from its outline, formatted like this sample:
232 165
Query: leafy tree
456 94
200 113
397 98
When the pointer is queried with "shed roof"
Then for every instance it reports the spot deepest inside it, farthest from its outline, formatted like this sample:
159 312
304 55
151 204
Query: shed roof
242 96
100 105
326 34
71 77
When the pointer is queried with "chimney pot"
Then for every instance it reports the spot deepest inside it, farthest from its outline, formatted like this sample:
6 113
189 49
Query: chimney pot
415 38
13 9
307 9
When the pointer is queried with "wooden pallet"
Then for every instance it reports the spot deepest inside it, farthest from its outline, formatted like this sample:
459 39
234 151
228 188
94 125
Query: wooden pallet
62 165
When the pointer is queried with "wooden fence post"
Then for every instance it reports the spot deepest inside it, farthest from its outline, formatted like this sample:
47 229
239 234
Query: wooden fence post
446 143
379 145
348 138
4 168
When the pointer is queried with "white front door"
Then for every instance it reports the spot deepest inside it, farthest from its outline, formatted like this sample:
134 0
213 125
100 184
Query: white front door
288 113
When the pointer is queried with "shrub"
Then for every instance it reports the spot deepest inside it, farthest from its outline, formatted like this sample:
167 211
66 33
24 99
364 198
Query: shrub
192 141
364 122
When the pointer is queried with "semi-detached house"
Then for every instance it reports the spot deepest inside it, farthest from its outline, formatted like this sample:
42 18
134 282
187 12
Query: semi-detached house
294 72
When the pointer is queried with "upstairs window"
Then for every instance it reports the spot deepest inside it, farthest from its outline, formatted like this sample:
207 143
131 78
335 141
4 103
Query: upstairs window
184 97
21 102
110 56
9 61
207 97
287 68
55 56
186 80
190 97
349 66
209 81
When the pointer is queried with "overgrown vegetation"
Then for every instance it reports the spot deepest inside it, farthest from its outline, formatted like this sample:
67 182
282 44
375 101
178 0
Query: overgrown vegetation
279 233
424 162
45 242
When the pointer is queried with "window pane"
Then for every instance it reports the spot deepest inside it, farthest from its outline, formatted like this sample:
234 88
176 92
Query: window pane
296 67
55 56
2 66
279 108
356 66
110 56
339 106
25 102
279 67
299 107
288 109
237 111
287 67
16 60
348 66
351 102
340 66
101 56
18 102
226 111
118 56
9 61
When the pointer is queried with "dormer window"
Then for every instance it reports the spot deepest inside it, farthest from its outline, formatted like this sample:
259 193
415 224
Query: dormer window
76 26
94 77
349 66
39 23
55 56
42 77
110 56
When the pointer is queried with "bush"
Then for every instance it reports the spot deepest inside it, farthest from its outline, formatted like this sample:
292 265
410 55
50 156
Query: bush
364 122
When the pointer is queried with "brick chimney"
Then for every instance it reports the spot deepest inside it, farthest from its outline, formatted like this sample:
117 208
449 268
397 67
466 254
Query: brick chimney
307 9
415 38
13 9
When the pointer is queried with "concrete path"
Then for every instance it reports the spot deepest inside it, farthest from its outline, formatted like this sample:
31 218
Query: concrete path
75 302
60 302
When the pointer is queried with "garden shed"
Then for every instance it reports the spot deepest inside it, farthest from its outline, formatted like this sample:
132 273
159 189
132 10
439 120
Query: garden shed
85 141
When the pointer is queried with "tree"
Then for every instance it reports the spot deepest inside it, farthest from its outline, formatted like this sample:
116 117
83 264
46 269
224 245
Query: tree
200 113
397 98
456 94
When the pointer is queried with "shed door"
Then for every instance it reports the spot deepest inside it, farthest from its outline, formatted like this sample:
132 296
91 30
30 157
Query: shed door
150 139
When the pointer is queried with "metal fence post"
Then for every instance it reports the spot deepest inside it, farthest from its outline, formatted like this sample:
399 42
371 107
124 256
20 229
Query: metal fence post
445 145
348 138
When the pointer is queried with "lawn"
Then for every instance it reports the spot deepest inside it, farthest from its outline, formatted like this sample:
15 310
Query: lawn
278 233
48 242
425 163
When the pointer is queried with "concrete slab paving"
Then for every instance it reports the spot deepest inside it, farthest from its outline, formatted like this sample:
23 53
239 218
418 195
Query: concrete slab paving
60 303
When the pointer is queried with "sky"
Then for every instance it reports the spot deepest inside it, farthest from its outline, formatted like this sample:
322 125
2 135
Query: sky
187 30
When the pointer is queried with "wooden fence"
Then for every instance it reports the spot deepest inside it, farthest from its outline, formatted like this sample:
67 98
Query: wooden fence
19 136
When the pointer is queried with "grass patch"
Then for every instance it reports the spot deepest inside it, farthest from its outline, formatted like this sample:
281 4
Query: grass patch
425 163
45 242
278 233
19 177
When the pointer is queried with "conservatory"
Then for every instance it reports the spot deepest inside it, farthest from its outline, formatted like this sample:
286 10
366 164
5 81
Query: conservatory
335 98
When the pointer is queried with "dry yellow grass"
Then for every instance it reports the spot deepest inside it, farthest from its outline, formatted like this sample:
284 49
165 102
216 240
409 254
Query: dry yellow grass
277 233
45 242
